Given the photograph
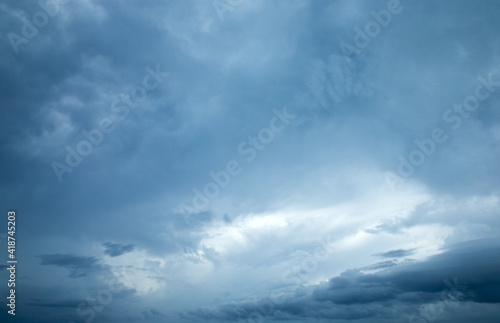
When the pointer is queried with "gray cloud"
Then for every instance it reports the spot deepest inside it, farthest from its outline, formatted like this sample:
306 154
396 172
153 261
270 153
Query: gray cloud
468 272
399 253
116 249
56 303
77 265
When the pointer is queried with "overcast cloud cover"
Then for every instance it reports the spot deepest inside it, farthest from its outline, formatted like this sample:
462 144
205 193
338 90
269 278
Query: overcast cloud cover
251 160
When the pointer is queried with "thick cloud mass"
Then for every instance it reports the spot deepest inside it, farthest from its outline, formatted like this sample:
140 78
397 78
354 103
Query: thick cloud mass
467 273
250 161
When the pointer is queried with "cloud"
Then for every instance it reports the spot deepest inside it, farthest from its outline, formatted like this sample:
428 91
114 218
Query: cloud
320 182
116 249
467 272
67 303
399 253
77 265
383 264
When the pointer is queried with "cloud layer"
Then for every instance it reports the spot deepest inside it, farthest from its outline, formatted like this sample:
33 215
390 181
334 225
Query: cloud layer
226 160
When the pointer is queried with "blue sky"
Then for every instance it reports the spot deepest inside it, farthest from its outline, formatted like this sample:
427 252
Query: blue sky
251 160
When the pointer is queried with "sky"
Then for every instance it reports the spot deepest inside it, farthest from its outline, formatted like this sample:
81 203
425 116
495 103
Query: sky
250 160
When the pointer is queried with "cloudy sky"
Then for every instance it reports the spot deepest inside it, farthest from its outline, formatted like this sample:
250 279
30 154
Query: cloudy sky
251 160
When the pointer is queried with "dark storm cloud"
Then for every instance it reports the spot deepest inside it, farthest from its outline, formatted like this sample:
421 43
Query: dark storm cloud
77 265
465 272
399 253
71 72
116 249
55 303
72 58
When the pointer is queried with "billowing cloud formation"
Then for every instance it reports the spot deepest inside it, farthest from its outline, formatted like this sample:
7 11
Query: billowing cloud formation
467 272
